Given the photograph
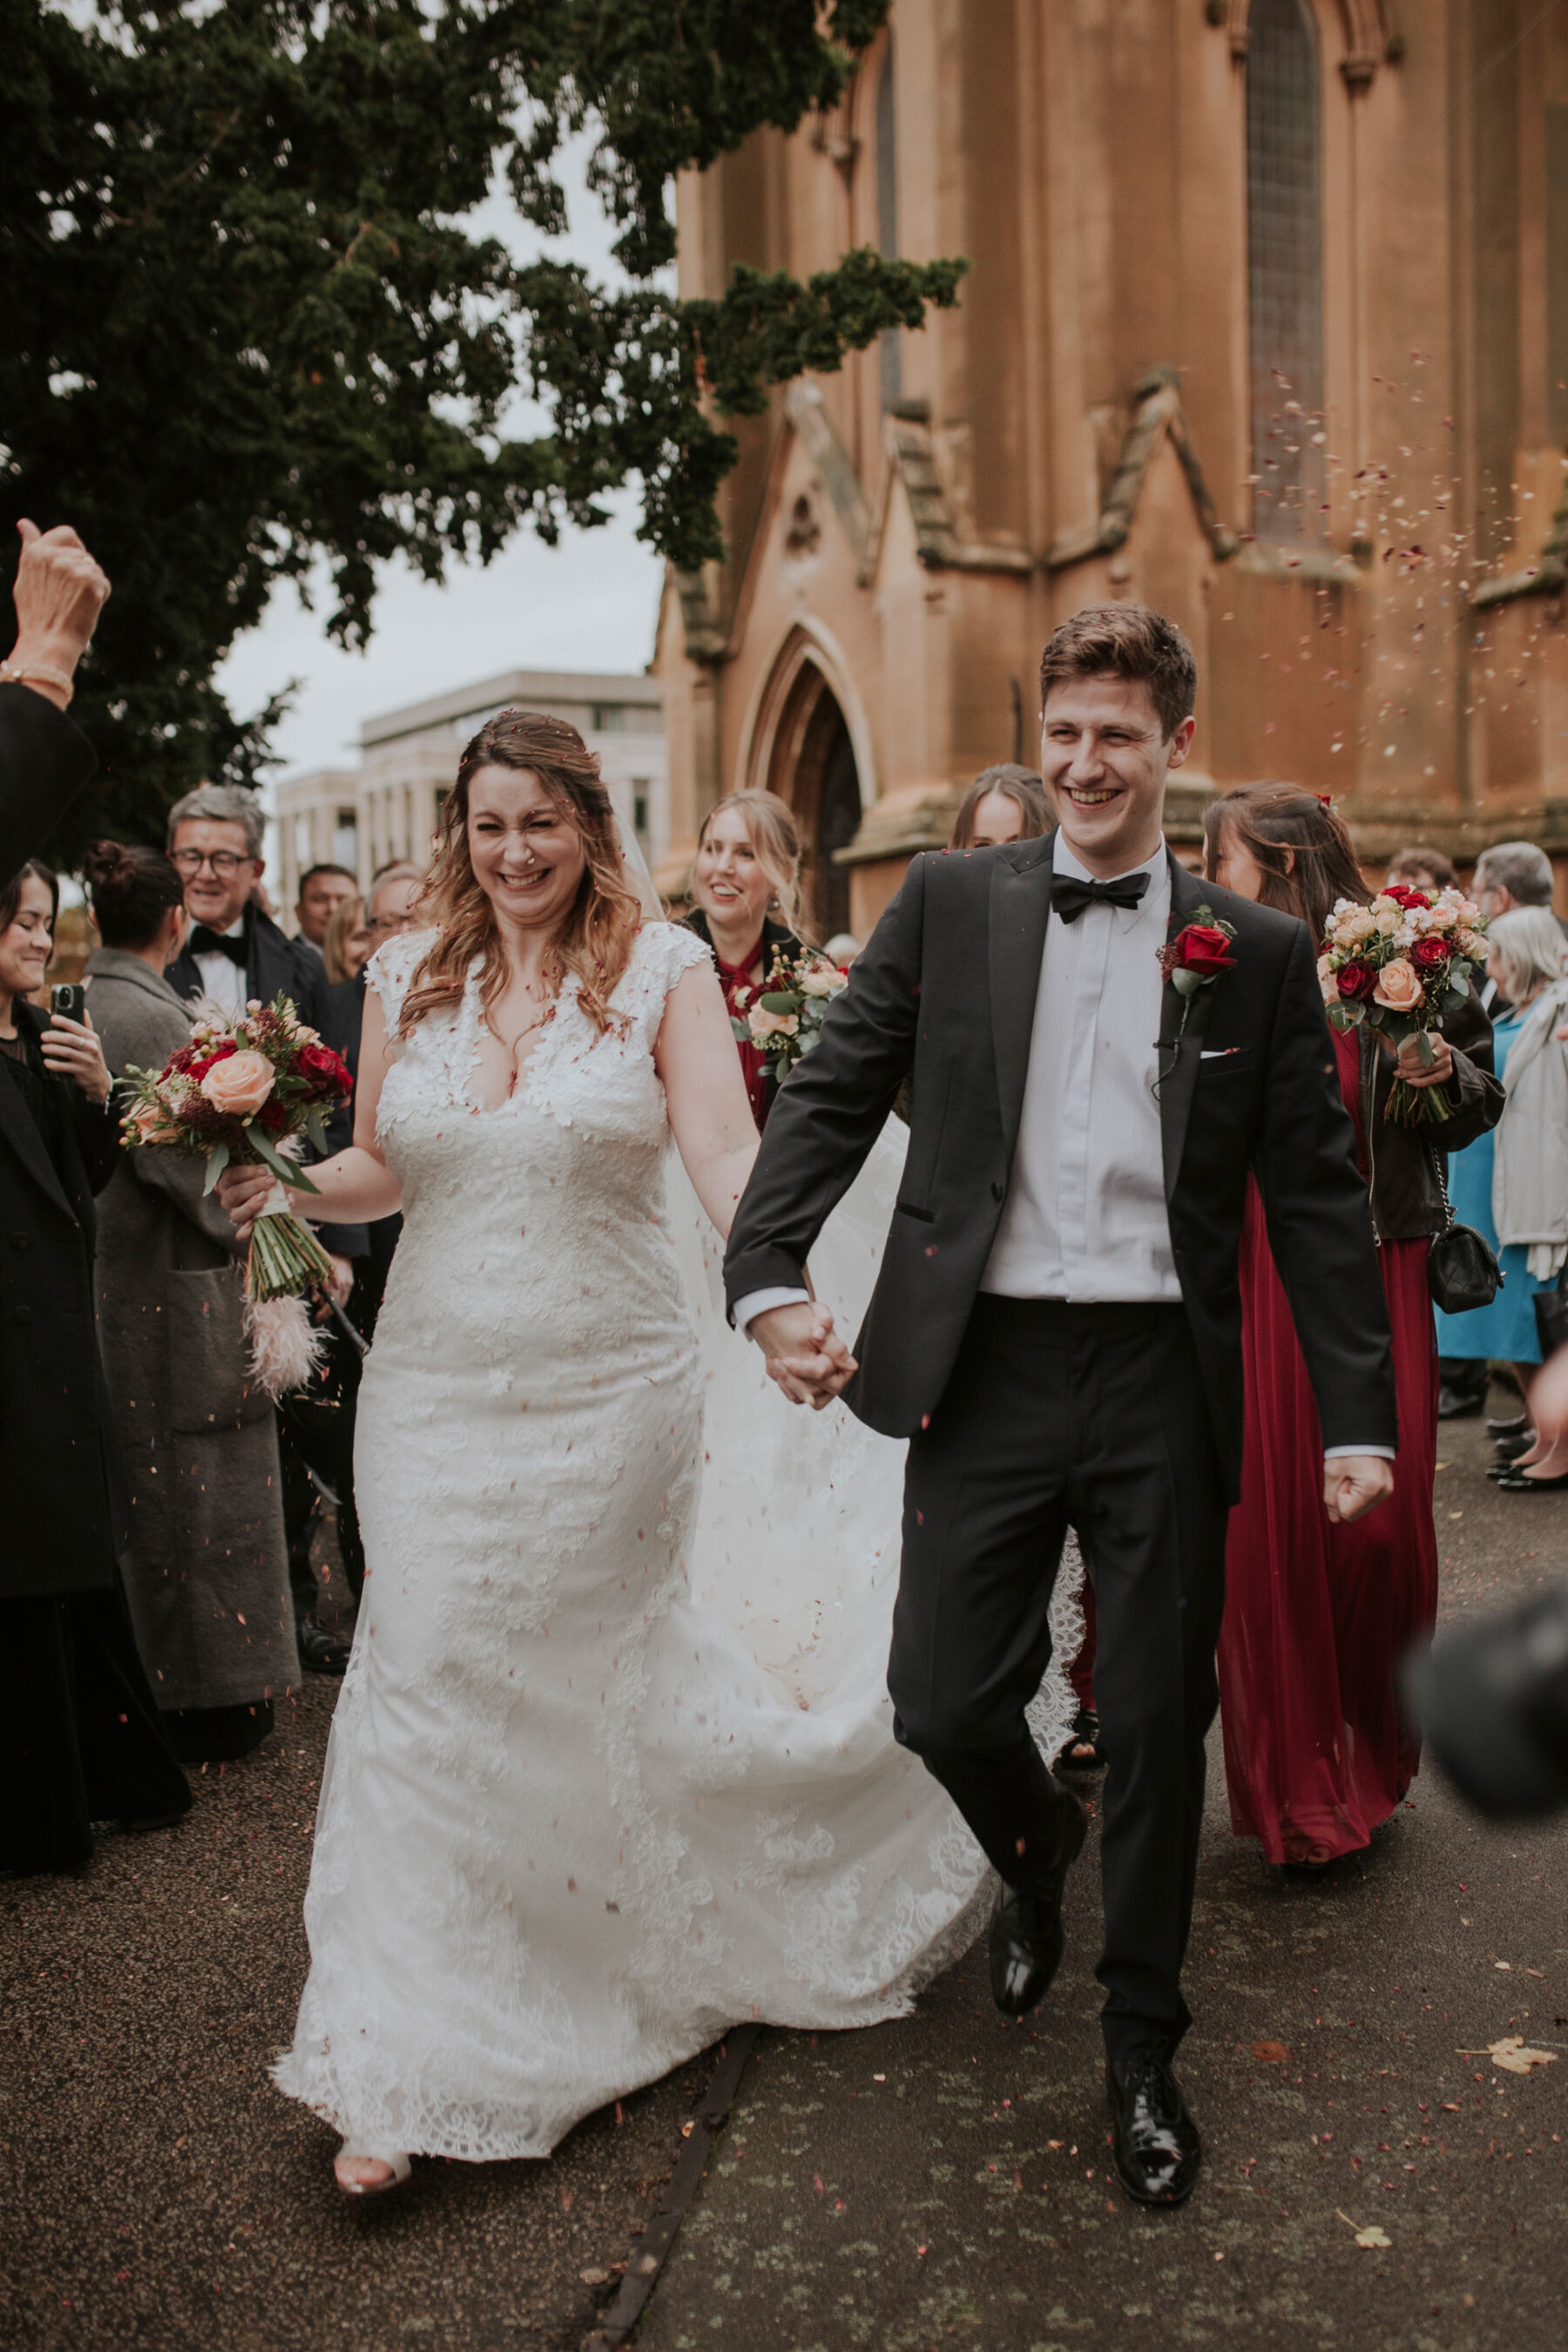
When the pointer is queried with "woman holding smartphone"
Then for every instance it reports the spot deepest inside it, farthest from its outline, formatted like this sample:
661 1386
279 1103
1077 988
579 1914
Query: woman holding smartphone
79 1735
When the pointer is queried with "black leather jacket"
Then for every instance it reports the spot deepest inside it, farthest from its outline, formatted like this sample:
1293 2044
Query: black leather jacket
1407 1198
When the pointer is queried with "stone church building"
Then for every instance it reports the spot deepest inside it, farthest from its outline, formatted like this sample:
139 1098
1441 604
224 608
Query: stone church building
1266 324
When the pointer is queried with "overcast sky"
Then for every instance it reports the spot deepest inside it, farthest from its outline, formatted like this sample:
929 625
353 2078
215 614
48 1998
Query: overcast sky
590 603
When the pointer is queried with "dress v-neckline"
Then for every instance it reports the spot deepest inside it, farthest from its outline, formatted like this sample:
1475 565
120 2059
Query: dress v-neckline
470 1038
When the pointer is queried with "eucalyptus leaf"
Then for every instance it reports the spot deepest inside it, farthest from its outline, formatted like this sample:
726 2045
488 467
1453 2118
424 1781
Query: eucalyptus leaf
218 1160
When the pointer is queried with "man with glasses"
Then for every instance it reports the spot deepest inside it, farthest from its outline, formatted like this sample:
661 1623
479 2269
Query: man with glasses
233 953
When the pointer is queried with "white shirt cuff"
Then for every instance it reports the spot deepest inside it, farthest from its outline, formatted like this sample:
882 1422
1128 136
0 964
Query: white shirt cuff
759 1302
1382 1453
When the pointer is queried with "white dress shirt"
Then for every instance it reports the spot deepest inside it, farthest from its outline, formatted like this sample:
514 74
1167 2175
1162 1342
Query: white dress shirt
222 982
1085 1216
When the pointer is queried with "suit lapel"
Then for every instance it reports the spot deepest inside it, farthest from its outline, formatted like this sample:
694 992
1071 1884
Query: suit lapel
20 1131
1020 909
1179 1048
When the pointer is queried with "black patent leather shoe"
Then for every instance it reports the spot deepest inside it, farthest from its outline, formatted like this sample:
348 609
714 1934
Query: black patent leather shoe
1027 1934
1155 2141
321 1652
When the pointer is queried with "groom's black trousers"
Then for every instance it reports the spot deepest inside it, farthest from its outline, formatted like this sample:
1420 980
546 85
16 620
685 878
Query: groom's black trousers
1092 1417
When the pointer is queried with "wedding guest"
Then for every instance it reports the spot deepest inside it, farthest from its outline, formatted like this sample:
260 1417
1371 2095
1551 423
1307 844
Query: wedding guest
234 952
205 1568
1004 803
79 1735
1512 1185
394 897
1507 876
347 945
1318 1615
746 883
45 761
1423 869
323 890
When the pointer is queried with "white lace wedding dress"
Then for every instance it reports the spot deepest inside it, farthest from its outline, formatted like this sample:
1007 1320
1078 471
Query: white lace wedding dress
613 1767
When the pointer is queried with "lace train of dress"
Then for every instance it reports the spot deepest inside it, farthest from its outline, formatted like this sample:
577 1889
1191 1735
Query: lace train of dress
613 1764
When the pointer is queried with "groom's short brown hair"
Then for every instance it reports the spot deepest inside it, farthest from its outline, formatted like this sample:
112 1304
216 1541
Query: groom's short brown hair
1125 641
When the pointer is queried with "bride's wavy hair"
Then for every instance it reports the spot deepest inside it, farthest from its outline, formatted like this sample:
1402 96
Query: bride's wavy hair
595 939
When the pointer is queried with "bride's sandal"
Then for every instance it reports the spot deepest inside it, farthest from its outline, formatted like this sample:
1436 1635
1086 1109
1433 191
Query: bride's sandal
1083 1752
396 2167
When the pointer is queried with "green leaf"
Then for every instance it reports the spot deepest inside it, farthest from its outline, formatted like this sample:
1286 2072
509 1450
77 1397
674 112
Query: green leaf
218 1160
316 1129
779 1000
287 1172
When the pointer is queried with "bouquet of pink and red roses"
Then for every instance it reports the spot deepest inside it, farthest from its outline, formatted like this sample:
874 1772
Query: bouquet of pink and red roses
785 1016
238 1094
1397 967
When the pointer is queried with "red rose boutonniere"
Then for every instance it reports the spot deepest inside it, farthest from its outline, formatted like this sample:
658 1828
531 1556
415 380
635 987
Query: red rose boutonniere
1196 958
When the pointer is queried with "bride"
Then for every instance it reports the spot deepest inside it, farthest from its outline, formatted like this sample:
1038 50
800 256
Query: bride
612 1766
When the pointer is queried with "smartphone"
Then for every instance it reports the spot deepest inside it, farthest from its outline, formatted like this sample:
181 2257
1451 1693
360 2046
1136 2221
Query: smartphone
68 1001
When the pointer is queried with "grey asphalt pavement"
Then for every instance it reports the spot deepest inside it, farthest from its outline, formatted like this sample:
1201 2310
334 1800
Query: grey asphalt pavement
944 2180
935 2182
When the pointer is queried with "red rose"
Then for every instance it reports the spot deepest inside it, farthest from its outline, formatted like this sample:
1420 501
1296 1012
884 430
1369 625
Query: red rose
1202 948
326 1071
1431 950
1404 895
274 1115
198 1067
1355 981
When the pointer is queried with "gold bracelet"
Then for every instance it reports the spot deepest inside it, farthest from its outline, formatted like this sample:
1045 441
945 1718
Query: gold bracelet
15 674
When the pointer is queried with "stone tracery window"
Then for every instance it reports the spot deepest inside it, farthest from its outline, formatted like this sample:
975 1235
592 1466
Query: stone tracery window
1284 270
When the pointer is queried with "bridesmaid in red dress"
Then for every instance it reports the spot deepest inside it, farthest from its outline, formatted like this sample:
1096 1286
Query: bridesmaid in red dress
747 872
1319 1615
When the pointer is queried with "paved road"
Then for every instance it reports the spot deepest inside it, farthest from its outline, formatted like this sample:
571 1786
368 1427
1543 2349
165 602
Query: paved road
157 2192
944 2180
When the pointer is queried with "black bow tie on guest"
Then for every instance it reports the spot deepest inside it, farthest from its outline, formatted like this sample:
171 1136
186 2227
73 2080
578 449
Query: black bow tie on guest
205 942
1069 896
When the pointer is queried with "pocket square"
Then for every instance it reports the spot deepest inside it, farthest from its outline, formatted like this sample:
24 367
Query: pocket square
1218 1052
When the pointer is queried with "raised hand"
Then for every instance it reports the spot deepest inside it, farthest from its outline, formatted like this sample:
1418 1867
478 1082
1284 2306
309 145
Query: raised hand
805 1355
70 1050
59 592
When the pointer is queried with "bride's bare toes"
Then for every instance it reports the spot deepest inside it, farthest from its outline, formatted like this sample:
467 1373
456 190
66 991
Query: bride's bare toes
367 2176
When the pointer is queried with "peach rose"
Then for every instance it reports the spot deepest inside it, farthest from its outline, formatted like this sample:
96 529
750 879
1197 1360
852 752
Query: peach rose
764 1024
239 1084
1328 980
1398 987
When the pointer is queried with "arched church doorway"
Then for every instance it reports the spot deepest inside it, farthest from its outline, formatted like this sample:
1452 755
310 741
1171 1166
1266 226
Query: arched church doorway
813 768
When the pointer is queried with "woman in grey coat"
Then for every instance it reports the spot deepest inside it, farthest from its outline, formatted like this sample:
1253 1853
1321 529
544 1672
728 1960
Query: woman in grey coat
206 1569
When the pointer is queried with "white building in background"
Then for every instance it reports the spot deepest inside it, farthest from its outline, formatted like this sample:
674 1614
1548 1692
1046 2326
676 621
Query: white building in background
386 808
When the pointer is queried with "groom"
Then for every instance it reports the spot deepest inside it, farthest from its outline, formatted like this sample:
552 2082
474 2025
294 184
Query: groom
1056 1324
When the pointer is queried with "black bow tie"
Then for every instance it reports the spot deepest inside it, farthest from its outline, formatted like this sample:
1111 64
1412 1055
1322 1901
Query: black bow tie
1069 896
205 942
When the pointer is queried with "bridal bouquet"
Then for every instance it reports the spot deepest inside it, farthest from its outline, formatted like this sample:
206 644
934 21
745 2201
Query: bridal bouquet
240 1093
1397 967
784 1018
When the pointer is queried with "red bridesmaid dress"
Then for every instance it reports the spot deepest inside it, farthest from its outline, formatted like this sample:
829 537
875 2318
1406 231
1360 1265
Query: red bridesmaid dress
1318 1617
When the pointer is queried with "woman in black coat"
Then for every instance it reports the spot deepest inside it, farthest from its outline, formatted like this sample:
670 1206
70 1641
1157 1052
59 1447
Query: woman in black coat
80 1735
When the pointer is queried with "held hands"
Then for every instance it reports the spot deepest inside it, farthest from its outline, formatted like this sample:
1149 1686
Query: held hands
805 1354
1355 1484
242 1192
1408 1065
70 1050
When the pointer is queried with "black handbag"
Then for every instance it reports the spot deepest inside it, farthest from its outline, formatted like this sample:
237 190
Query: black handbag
1552 1317
1462 1273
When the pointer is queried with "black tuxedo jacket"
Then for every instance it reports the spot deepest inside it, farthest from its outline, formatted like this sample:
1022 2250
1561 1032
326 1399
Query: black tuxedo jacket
945 994
276 965
45 761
